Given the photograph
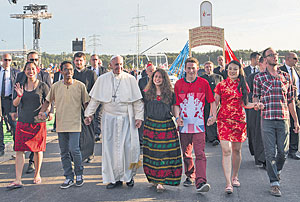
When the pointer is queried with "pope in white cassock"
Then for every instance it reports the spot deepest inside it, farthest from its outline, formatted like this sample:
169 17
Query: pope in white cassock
123 112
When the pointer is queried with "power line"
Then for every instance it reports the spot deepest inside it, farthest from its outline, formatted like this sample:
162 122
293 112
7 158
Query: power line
138 27
94 40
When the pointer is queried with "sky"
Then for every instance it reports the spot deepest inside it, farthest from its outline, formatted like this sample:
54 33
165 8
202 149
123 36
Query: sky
248 24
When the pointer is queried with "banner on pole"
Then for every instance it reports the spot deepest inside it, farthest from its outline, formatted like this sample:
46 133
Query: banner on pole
200 36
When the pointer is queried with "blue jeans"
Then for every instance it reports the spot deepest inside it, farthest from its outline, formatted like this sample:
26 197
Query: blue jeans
69 143
275 135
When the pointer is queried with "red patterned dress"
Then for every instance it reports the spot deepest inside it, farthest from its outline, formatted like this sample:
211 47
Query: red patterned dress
231 117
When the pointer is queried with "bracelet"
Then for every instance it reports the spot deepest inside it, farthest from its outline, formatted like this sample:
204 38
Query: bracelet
176 118
20 95
210 116
46 114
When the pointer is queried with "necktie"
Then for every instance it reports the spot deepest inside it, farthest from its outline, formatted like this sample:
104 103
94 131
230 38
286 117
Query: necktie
293 79
3 84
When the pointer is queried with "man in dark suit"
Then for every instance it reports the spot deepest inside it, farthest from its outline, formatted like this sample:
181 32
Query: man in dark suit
254 59
221 70
251 113
213 79
291 59
88 77
21 78
255 119
142 84
96 66
7 81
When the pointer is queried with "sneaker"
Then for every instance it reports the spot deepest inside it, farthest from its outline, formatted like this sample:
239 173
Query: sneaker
30 168
79 180
275 191
188 182
215 142
203 187
67 183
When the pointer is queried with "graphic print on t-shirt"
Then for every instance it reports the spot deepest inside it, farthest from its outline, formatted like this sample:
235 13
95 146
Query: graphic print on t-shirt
192 113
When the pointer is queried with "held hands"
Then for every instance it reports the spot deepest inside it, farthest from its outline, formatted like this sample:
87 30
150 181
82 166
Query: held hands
179 121
211 120
258 106
19 89
138 123
42 116
88 120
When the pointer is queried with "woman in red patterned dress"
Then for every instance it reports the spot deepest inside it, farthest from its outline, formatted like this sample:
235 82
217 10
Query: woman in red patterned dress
30 131
233 93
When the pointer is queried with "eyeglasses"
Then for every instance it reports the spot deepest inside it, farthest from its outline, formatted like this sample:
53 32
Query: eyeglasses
295 59
271 55
7 60
33 59
94 59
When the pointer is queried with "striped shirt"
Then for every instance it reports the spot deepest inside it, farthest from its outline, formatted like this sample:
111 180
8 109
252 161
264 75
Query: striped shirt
275 93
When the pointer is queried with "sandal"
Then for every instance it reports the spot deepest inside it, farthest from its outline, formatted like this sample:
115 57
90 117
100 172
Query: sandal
229 189
14 185
160 188
235 182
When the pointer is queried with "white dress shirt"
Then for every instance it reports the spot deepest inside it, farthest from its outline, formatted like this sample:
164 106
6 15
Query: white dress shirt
8 89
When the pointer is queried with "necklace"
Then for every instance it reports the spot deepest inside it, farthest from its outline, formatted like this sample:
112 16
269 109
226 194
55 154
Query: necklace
114 95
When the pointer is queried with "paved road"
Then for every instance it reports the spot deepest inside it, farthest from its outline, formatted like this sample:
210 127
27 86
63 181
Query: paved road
254 182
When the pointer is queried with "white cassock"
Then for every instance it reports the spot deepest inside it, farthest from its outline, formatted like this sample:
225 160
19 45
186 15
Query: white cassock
122 105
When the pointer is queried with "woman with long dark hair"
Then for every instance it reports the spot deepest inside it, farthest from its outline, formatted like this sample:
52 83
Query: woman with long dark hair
30 131
231 121
161 148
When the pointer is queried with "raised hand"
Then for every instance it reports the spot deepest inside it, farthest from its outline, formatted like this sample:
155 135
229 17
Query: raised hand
19 89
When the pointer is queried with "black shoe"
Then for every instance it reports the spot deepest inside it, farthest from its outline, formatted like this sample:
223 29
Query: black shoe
130 183
30 168
114 185
79 181
67 183
53 130
2 153
97 138
188 182
203 187
293 156
89 159
215 142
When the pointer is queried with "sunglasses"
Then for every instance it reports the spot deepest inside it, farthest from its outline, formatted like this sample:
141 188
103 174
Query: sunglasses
7 60
272 55
295 59
32 59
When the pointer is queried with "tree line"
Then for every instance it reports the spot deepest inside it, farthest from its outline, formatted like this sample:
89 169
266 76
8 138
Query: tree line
47 58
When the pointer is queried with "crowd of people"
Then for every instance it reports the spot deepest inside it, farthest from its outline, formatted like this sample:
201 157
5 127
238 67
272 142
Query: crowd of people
222 105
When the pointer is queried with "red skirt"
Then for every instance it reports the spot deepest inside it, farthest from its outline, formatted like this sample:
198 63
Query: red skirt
30 137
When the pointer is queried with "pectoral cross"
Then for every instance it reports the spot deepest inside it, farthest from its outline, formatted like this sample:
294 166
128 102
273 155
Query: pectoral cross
114 97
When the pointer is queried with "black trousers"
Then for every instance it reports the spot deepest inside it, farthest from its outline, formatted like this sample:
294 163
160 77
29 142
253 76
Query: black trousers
6 103
294 137
211 132
251 125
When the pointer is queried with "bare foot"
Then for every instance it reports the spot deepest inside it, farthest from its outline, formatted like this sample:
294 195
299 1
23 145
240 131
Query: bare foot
37 180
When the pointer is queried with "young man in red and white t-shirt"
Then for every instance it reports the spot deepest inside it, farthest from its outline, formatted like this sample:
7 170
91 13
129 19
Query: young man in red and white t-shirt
191 93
